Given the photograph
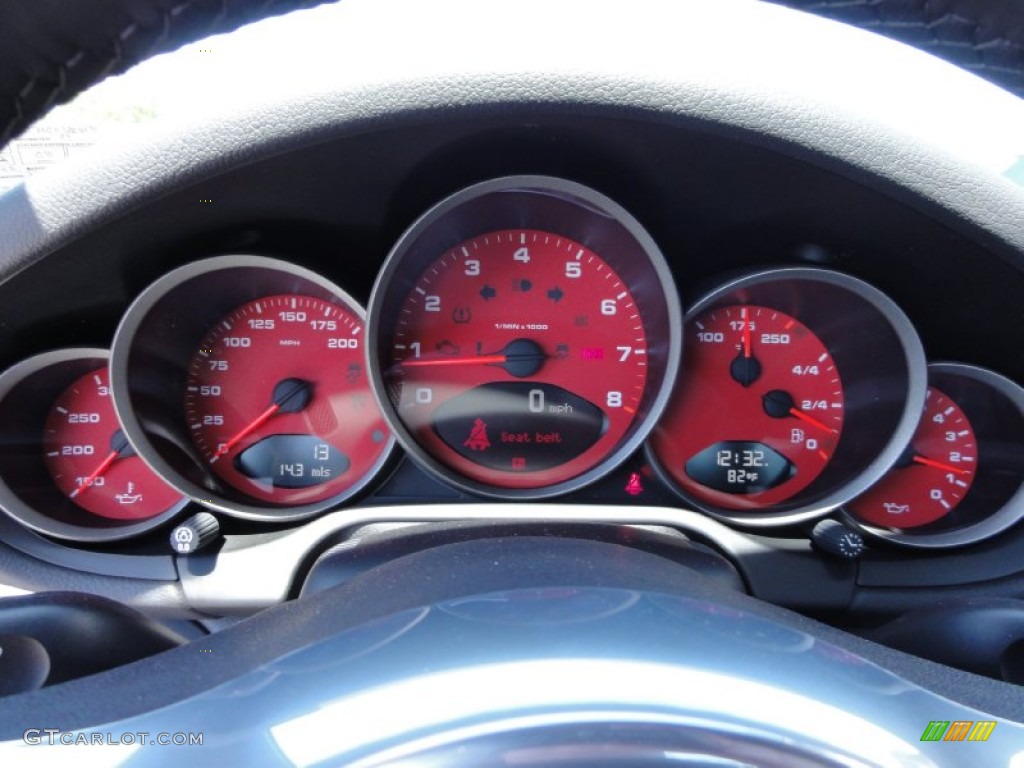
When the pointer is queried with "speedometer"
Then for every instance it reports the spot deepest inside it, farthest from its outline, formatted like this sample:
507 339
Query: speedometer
523 360
242 381
274 404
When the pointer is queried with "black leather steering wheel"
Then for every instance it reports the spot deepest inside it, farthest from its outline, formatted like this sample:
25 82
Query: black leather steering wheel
50 50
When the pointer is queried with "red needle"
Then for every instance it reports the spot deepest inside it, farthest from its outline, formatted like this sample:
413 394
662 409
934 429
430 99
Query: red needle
746 334
256 424
940 465
103 467
477 359
810 420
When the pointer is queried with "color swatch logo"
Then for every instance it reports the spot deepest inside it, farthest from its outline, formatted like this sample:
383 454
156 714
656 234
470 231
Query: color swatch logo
958 730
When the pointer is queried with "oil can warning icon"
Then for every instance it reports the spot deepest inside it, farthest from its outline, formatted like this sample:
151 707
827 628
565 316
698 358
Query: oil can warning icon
477 440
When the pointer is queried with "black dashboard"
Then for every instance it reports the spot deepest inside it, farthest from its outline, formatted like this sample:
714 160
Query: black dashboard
717 207
846 272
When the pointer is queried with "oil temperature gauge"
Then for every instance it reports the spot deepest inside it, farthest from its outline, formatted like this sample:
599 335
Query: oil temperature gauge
66 468
91 460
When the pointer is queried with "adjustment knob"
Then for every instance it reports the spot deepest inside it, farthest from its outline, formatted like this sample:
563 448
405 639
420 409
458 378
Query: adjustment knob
195 533
834 538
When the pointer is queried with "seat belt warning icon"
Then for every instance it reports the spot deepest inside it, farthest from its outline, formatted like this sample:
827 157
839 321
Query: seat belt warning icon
477 440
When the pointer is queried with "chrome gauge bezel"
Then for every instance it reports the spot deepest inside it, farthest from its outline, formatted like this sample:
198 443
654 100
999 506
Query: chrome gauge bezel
36 383
818 298
991 402
552 204
156 338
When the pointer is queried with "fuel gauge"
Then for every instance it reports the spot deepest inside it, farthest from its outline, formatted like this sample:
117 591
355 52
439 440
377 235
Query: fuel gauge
757 372
800 389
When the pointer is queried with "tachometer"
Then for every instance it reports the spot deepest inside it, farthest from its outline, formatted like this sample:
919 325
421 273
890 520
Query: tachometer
523 360
801 388
242 380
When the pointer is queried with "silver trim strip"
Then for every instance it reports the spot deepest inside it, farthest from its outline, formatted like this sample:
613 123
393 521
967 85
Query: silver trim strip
244 577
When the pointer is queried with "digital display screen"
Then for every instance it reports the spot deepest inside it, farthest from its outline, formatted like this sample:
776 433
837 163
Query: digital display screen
740 467
292 461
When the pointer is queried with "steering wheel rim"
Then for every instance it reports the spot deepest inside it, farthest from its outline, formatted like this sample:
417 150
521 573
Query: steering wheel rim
50 51
524 650
869 108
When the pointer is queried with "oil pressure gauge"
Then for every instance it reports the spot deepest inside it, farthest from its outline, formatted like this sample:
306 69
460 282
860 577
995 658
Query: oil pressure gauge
961 479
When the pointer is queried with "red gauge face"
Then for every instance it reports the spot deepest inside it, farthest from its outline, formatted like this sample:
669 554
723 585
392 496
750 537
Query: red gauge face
758 412
91 461
518 359
277 401
932 477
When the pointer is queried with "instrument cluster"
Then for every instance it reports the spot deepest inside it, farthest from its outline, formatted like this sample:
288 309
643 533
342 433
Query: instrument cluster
524 338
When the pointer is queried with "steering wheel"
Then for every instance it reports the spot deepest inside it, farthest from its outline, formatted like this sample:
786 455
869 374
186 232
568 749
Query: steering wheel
552 650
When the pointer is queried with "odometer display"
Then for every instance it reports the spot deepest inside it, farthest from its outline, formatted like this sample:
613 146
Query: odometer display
276 400
519 358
